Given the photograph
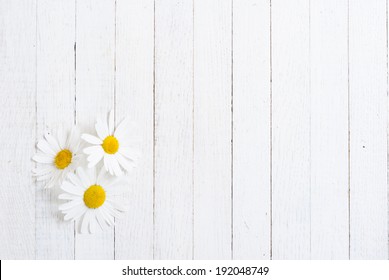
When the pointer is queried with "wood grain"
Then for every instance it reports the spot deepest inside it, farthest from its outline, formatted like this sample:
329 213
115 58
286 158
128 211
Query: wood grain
212 129
55 107
134 99
329 130
251 136
173 224
368 130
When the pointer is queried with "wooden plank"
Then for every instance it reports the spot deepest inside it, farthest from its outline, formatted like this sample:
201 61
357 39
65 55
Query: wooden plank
17 144
55 107
173 232
290 130
134 99
368 130
251 138
212 129
95 36
329 130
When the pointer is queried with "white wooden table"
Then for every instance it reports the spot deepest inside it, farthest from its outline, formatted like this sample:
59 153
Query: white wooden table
263 125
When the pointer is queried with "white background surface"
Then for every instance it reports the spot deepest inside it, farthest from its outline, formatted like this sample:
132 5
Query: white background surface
264 125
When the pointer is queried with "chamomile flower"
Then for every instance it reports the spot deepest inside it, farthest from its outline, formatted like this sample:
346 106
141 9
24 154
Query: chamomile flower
112 145
92 199
57 156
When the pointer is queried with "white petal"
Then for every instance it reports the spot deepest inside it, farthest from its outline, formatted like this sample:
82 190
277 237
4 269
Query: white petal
107 164
75 180
41 158
111 210
45 147
52 142
44 177
123 130
107 217
115 190
100 219
115 181
101 130
77 160
115 166
71 204
55 179
67 196
71 214
61 138
110 163
72 189
126 164
91 173
92 222
115 205
92 139
86 221
104 127
93 150
94 159
73 140
43 170
103 177
85 180
75 213
129 153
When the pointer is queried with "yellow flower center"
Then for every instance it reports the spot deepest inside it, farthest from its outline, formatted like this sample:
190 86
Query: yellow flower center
110 145
94 196
63 159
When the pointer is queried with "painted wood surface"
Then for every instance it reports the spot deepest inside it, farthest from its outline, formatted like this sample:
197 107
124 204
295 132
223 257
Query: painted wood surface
95 95
173 124
18 53
291 121
135 99
212 129
262 125
55 107
252 130
368 130
329 130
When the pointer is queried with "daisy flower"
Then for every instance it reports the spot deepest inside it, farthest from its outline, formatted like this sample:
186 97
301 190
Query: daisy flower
91 199
57 156
112 145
